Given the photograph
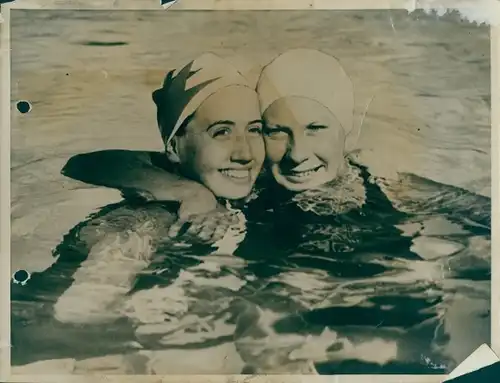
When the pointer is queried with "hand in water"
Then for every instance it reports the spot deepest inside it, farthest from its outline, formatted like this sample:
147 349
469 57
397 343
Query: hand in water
205 228
201 218
197 202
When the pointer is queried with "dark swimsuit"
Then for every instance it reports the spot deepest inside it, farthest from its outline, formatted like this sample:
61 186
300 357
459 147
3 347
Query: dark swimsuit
277 231
282 237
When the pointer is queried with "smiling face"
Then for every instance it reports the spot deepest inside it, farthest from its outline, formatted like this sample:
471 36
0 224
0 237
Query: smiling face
304 143
222 146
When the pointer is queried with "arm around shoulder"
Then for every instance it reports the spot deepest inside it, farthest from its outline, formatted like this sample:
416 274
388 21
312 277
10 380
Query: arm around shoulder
140 173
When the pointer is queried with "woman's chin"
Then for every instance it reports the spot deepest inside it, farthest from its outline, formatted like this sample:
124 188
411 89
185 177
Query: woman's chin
233 193
300 187
229 189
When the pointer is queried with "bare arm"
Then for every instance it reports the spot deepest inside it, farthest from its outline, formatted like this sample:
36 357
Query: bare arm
113 248
140 173
117 246
104 279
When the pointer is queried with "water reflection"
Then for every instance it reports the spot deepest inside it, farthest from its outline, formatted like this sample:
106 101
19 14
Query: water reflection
365 291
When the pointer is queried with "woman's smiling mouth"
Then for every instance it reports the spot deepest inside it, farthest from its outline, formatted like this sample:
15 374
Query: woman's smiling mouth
302 175
238 175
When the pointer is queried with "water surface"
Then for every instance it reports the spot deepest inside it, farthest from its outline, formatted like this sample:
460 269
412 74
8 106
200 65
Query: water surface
89 77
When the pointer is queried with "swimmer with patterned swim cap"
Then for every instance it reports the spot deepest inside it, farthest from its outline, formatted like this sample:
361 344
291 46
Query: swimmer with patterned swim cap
211 126
209 120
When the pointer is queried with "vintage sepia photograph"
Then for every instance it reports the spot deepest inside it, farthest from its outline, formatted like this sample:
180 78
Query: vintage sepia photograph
248 192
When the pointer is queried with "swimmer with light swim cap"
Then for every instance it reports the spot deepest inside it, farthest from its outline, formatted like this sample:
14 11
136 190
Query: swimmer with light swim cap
308 120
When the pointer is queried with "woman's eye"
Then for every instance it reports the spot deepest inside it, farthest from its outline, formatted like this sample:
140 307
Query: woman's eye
275 133
221 132
255 129
315 128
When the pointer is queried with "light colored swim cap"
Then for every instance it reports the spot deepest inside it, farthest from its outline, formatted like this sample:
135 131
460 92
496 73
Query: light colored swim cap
185 90
311 74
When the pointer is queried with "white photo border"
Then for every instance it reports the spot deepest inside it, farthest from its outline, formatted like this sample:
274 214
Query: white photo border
183 5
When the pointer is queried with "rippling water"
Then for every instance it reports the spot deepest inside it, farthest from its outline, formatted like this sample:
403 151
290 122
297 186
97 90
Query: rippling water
385 291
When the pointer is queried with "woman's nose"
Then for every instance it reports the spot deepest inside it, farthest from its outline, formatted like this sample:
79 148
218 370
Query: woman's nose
241 150
298 150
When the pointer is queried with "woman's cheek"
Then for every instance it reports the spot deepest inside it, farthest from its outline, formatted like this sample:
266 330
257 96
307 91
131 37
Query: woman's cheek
213 156
328 145
258 149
